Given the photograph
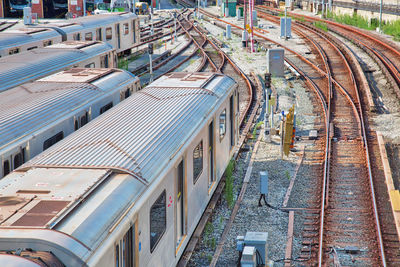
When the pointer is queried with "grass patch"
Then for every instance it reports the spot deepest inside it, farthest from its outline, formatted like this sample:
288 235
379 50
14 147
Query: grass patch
123 64
229 183
393 29
321 25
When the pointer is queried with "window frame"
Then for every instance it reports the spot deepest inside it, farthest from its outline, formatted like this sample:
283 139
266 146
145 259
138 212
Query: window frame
8 165
108 35
126 28
87 35
221 136
196 178
162 195
106 107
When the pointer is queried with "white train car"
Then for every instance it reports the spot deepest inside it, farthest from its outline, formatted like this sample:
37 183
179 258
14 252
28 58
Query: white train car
120 29
127 189
35 64
25 39
36 115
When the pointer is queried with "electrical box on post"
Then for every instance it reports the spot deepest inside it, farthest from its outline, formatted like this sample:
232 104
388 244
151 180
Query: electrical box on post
259 241
249 257
264 183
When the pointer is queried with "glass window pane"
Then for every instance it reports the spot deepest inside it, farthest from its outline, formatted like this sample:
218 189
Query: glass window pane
222 124
197 161
158 220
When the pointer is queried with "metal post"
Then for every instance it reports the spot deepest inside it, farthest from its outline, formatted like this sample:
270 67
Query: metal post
84 7
380 16
323 8
251 25
151 68
198 8
285 23
151 27
175 23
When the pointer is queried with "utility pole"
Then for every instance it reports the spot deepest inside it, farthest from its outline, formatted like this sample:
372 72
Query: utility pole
380 17
150 52
175 23
251 25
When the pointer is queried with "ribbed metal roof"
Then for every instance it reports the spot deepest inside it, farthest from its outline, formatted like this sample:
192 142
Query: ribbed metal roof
27 108
89 22
34 64
142 134
19 37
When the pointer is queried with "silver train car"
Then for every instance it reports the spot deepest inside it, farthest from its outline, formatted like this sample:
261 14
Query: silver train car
35 64
129 188
25 39
36 115
120 30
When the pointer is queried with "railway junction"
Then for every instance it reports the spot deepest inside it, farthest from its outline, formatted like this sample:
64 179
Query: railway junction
245 143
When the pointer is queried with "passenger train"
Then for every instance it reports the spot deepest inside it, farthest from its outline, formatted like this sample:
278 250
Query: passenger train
120 30
36 115
128 188
35 64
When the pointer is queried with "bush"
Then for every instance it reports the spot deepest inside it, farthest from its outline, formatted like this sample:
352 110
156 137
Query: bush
229 184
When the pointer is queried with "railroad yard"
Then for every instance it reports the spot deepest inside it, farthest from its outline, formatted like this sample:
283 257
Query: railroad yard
194 138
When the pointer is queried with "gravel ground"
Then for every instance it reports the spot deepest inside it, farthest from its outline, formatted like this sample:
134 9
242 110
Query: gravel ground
250 217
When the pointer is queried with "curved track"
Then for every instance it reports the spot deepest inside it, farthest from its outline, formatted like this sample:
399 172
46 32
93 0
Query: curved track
349 214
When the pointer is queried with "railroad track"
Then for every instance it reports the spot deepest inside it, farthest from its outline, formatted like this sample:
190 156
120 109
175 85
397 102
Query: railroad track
214 59
384 52
341 103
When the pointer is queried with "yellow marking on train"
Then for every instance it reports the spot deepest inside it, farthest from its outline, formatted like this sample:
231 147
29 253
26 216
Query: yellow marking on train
395 198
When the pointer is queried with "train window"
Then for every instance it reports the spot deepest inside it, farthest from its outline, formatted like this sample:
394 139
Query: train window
33 47
117 256
91 65
104 61
222 124
76 36
84 119
18 160
52 140
197 161
13 51
99 36
133 31
88 36
108 33
47 43
76 124
6 167
106 107
158 220
126 28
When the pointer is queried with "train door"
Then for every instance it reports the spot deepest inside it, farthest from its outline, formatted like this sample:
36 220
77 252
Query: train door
231 119
211 151
126 249
118 35
180 202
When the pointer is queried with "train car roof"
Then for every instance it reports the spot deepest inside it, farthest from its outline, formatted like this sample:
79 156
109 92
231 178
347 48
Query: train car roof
18 37
108 164
34 64
92 21
51 98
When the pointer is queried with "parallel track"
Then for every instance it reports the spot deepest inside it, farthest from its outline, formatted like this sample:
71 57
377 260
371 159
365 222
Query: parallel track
340 98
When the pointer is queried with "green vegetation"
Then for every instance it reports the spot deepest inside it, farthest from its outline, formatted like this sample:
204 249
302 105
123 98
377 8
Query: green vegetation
229 183
287 175
393 29
123 64
258 126
321 25
390 28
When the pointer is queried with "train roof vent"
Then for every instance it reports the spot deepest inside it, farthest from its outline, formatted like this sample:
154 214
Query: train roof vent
42 213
